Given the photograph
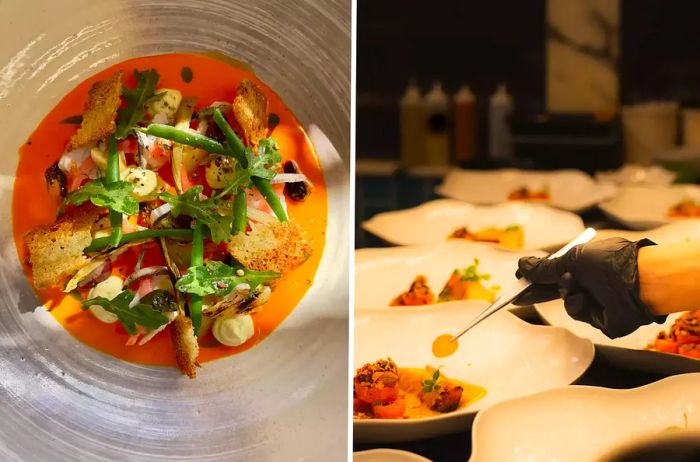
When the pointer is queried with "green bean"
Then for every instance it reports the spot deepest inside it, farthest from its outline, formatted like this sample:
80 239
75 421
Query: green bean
197 259
193 139
112 176
235 145
103 242
271 197
237 149
240 212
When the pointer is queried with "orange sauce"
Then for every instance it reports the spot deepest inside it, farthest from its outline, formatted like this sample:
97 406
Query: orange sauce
214 80
443 346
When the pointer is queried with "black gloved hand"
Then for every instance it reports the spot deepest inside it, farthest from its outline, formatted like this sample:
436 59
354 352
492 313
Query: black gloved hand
599 283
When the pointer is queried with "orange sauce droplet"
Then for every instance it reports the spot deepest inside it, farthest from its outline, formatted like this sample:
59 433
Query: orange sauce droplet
213 80
443 346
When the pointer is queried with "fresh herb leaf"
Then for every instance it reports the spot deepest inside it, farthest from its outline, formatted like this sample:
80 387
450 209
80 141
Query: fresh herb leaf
264 164
142 314
117 196
471 273
217 278
432 384
161 300
214 213
136 99
73 120
186 74
512 228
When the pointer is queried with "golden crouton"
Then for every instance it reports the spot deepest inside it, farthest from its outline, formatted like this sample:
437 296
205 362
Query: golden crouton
250 110
103 101
279 247
186 345
56 249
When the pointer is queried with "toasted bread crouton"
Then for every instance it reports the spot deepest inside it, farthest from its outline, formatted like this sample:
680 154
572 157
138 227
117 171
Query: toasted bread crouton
103 101
186 345
279 247
56 249
250 110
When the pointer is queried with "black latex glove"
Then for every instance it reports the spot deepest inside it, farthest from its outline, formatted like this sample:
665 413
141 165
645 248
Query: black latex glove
599 283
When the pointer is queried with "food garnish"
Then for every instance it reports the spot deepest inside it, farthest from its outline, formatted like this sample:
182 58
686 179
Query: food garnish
685 209
384 391
511 237
683 337
529 194
169 218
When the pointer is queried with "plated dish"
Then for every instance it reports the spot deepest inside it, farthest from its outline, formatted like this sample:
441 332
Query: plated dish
679 231
381 390
510 226
431 275
682 338
536 358
387 455
582 423
629 351
646 207
155 231
565 189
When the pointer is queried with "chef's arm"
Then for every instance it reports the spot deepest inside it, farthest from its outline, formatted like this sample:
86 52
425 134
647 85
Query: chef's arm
669 277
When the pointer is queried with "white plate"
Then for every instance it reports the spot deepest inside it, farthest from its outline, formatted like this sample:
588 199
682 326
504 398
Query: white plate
644 207
503 354
628 351
569 189
384 273
580 423
432 222
631 174
679 231
387 455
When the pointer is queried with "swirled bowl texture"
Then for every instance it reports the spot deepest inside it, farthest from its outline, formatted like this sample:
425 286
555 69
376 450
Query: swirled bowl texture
282 400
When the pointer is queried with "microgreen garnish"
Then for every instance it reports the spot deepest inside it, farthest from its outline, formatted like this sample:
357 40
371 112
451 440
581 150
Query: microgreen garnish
142 314
217 278
136 99
432 384
117 196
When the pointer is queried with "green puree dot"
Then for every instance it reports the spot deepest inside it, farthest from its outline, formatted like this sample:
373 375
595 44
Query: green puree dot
186 74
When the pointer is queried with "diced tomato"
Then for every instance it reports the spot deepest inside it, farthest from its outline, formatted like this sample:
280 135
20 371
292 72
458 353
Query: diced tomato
665 346
360 406
692 351
685 339
393 410
128 145
376 394
185 179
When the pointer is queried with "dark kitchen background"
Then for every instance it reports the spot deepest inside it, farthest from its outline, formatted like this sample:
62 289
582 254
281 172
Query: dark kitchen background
568 66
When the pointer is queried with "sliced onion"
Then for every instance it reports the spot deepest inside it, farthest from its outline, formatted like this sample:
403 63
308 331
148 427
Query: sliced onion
260 216
160 118
159 212
288 178
73 159
145 272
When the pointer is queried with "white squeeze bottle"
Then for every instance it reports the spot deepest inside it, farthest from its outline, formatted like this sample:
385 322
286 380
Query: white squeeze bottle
412 121
500 110
437 143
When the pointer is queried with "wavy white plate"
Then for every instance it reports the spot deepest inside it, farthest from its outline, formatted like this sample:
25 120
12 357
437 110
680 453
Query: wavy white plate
387 455
645 207
503 354
581 423
382 274
631 174
432 222
628 351
569 189
679 231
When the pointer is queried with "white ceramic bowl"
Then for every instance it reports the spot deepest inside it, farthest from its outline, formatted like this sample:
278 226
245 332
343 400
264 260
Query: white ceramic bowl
387 455
645 207
569 189
503 354
382 274
432 222
679 231
628 351
631 174
581 423
283 399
